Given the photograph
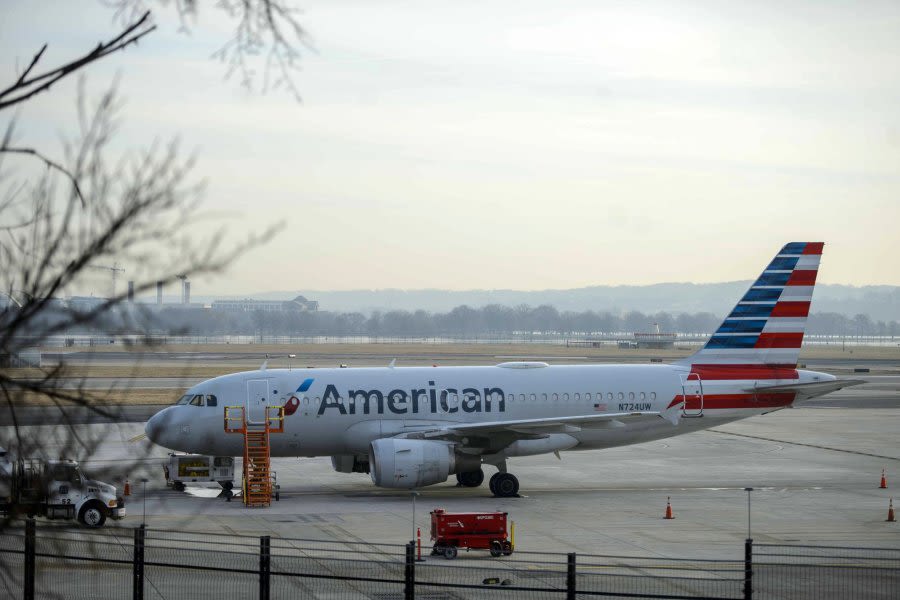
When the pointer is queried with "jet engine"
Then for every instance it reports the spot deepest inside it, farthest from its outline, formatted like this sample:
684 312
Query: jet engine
402 463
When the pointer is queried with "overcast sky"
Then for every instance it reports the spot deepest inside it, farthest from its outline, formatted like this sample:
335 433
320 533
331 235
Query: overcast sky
524 145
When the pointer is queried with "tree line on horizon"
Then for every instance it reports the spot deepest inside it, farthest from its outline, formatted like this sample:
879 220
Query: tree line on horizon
492 319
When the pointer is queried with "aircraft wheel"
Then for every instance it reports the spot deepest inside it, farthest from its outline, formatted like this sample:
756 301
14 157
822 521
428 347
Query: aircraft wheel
492 482
450 552
506 485
471 478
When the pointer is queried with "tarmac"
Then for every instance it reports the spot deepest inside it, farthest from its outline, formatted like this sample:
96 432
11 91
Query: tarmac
814 470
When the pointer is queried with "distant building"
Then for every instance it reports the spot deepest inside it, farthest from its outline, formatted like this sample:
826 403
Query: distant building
85 303
298 304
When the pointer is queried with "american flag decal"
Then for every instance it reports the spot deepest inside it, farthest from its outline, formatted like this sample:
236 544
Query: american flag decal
600 406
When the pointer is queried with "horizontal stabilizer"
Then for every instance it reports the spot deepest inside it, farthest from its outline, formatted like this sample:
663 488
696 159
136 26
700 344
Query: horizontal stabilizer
805 391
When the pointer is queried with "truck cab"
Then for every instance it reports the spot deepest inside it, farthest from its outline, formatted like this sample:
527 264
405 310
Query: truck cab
56 489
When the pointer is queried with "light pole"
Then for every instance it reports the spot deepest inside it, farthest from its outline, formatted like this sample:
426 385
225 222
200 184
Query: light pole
144 498
748 553
414 493
748 490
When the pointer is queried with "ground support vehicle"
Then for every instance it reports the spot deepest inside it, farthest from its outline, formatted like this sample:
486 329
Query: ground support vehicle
192 468
473 531
56 489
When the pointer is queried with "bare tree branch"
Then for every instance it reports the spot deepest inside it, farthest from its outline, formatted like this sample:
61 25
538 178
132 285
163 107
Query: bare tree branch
50 165
25 87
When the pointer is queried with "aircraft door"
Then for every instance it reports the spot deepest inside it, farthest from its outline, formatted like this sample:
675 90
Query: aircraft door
257 395
692 390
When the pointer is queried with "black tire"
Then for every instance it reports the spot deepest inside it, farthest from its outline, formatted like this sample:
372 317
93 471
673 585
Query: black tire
506 485
496 548
471 478
93 515
227 485
178 486
450 552
507 548
493 482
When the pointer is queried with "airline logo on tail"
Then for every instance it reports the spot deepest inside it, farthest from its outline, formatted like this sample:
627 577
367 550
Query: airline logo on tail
766 327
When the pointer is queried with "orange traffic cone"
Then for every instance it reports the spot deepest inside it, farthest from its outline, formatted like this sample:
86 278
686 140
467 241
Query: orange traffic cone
891 518
127 490
669 514
883 485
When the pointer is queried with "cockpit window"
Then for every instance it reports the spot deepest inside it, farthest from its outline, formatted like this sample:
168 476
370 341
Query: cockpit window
197 400
211 400
185 399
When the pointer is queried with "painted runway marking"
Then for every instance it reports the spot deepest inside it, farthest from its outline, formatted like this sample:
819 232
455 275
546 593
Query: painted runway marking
759 437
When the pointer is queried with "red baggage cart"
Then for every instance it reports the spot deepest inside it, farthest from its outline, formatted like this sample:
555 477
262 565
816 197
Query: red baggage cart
475 531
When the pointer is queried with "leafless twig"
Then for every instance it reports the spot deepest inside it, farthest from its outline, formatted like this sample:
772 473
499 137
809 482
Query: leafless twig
27 86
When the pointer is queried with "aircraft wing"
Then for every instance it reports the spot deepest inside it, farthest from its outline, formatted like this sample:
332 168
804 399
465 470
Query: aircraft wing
506 432
805 391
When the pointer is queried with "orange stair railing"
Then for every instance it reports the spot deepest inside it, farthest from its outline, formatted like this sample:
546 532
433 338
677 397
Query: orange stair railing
257 482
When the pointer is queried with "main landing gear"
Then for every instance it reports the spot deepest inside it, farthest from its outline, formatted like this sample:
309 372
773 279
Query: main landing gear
502 484
470 478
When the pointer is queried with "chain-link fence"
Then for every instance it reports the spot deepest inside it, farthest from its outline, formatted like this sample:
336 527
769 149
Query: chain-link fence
57 562
813 572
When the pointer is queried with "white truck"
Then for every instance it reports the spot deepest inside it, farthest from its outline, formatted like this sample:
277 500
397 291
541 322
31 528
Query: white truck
56 489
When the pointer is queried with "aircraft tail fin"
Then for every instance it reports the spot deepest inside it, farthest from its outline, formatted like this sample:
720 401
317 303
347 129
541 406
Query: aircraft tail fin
765 328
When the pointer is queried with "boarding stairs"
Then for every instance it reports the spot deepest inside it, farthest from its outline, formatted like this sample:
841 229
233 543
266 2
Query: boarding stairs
258 481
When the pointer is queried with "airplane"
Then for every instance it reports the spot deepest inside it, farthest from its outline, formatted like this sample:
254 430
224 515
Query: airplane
410 427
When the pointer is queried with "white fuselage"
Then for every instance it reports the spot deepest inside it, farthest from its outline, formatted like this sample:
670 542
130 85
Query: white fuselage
340 411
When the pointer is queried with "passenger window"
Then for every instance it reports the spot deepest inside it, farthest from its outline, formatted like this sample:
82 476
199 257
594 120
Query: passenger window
631 395
621 396
197 400
533 398
643 396
306 400
609 396
565 397
653 395
577 397
555 397
212 400
587 397
544 397
521 397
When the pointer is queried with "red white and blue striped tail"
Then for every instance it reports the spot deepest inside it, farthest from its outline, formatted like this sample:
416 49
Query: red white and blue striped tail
766 327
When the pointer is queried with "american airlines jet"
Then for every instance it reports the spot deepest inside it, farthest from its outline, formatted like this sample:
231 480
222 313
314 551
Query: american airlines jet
415 426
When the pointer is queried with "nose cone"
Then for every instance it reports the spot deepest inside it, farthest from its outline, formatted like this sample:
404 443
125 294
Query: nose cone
158 426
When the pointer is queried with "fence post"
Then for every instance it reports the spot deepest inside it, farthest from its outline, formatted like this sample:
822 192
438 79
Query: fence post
570 577
748 569
29 560
137 563
265 566
409 573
